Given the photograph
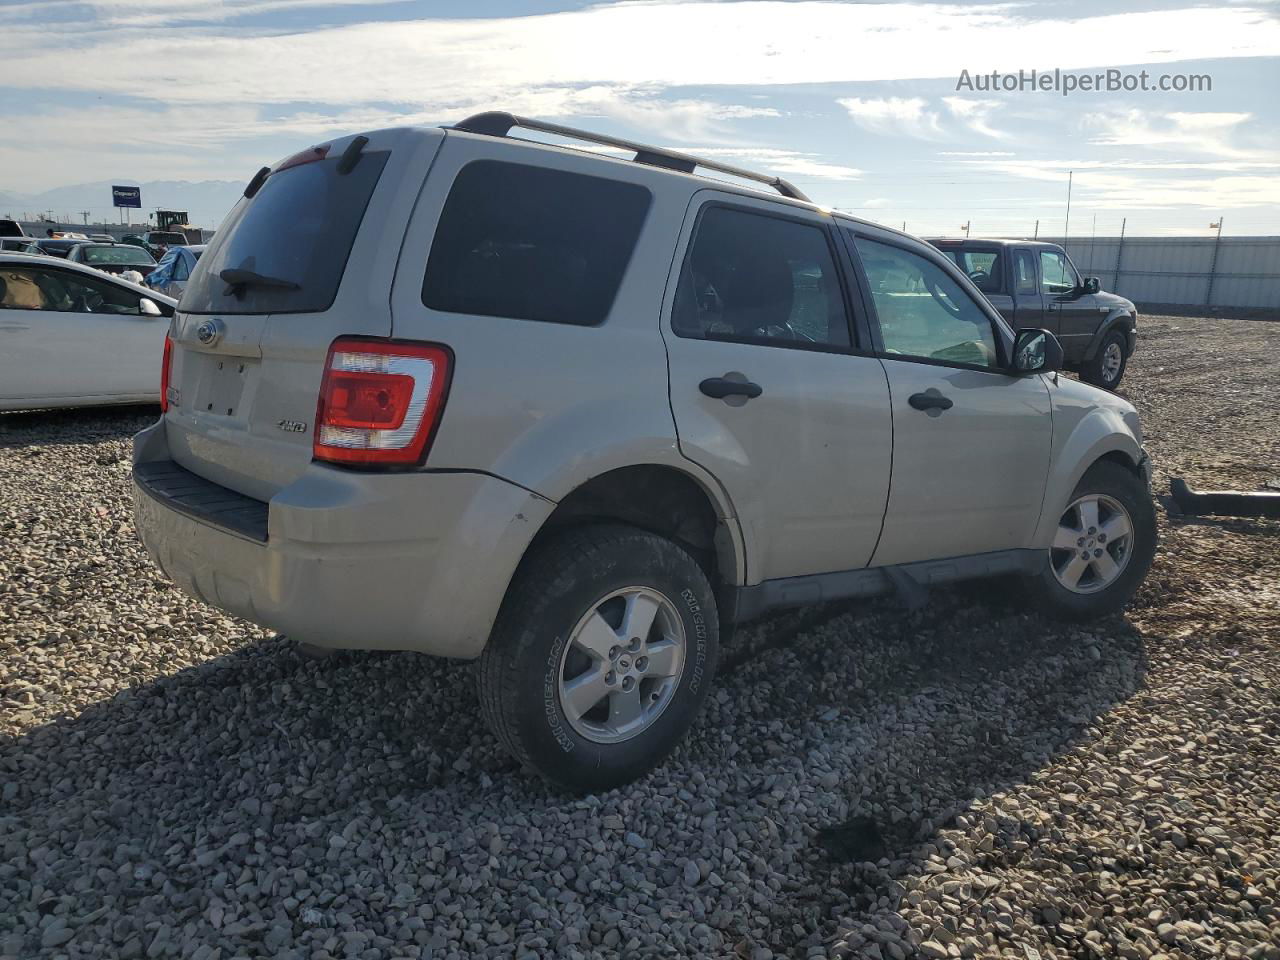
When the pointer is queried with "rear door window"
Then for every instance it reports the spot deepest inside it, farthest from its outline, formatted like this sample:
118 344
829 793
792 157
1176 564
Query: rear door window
294 235
1026 268
532 243
754 278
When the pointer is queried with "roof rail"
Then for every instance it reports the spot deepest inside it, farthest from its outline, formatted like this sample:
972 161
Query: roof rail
496 123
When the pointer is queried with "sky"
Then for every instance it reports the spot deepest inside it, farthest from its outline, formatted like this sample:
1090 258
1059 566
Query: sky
864 106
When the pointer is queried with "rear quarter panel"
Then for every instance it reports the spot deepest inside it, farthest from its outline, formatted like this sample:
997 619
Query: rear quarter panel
550 405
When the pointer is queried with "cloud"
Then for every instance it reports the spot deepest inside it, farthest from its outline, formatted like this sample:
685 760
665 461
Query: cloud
789 162
1210 133
900 116
973 114
451 66
135 13
1128 184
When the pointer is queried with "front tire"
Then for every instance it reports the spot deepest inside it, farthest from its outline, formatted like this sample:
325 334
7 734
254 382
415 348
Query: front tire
601 656
1102 548
1107 367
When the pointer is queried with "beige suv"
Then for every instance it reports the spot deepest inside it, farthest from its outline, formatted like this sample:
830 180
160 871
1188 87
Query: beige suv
451 391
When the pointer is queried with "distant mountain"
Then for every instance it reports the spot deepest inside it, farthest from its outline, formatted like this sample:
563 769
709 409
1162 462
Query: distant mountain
208 201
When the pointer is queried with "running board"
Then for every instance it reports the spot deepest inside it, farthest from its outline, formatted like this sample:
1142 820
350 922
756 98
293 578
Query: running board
910 580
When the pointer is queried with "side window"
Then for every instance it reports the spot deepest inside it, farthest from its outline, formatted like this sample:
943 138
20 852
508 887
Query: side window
21 289
1026 270
76 293
757 278
922 311
1058 277
533 243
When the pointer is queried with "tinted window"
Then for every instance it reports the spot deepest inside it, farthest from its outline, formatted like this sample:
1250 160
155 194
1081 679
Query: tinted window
532 244
922 311
298 228
1056 273
756 278
1025 267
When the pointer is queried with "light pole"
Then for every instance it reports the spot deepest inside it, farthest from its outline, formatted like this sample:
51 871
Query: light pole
1213 262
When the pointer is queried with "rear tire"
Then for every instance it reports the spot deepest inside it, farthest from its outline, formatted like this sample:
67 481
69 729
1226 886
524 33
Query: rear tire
1108 499
1107 367
601 656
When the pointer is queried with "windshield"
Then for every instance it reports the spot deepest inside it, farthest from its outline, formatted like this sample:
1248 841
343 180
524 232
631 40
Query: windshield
116 255
295 233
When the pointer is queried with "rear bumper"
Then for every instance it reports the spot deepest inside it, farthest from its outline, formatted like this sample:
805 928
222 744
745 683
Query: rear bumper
404 561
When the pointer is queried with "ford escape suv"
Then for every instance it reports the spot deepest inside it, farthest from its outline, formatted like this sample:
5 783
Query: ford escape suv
453 391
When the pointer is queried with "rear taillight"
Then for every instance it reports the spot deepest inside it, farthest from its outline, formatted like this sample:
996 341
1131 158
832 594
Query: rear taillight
164 373
380 402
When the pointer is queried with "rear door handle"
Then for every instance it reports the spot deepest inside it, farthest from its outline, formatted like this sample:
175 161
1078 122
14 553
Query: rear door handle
720 387
931 400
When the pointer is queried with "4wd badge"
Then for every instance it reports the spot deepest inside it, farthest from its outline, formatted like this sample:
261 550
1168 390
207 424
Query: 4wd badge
292 426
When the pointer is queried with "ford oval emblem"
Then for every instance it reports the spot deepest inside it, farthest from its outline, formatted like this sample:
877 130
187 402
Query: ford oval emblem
209 332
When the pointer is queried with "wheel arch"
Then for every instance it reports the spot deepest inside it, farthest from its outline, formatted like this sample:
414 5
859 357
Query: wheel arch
1117 319
663 500
1100 436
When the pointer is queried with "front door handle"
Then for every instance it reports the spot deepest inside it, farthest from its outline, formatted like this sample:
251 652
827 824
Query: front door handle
720 387
930 400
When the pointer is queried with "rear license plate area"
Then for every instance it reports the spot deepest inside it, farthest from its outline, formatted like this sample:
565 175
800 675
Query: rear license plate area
223 385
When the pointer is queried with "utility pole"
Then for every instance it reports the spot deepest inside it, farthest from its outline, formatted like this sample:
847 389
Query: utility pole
1093 239
966 228
1213 262
85 214
1037 233
1119 251
1066 230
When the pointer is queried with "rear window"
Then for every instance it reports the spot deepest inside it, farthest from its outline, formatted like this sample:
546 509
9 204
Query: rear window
117 255
981 266
168 238
533 244
297 230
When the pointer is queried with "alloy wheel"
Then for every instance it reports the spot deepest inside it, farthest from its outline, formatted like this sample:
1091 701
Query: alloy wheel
1093 543
622 665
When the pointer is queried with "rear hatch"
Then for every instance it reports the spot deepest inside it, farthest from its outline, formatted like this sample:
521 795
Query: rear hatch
306 257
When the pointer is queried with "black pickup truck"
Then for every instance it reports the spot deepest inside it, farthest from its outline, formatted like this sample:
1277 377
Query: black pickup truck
1035 284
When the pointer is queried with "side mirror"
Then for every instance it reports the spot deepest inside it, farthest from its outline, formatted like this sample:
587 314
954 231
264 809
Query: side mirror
147 307
1091 285
1036 351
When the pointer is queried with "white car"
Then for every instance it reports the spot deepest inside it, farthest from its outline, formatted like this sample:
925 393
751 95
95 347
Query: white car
71 336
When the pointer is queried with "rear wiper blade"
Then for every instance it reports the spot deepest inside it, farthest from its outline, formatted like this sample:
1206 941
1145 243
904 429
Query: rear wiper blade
238 279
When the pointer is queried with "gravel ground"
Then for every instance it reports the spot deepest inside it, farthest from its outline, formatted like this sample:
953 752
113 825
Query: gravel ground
177 783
